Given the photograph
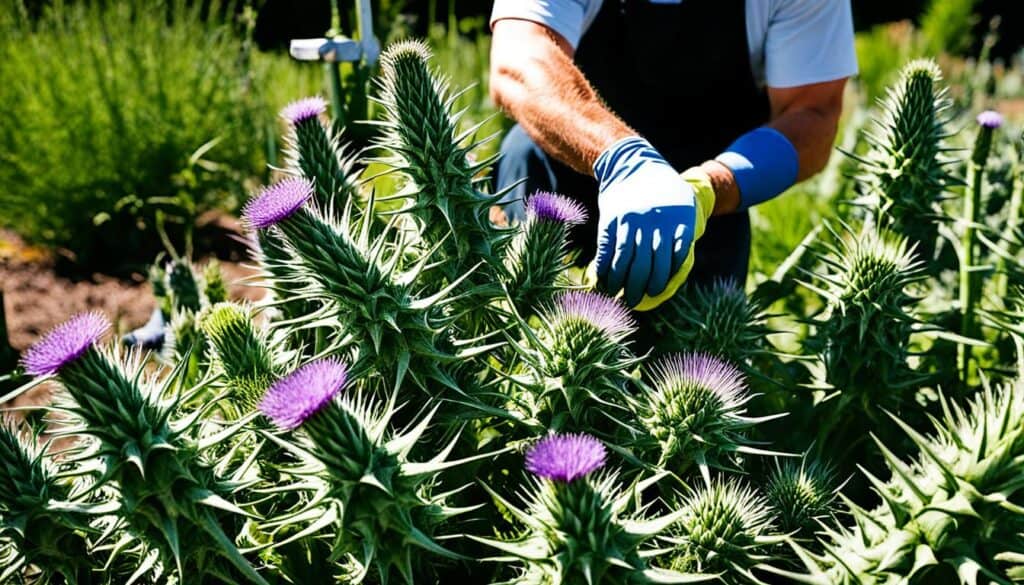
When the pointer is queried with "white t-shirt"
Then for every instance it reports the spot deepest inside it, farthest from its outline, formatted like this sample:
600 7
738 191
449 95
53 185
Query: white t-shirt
792 42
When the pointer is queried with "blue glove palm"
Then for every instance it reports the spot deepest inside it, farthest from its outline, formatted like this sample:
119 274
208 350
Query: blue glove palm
647 216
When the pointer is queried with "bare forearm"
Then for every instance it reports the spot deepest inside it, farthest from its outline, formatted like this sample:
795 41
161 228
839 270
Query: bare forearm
808 117
535 81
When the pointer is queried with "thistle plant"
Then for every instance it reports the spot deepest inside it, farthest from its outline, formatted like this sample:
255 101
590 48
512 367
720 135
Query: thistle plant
863 335
578 526
374 505
954 504
42 529
725 528
904 171
693 415
364 291
441 194
316 152
172 502
578 362
421 138
539 254
802 494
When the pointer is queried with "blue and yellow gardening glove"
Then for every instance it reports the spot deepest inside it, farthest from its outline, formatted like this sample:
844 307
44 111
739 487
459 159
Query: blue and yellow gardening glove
649 218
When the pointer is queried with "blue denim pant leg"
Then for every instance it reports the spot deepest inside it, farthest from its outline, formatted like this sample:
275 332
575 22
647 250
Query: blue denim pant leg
526 168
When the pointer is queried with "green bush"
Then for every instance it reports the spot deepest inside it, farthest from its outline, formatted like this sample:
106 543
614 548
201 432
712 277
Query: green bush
117 114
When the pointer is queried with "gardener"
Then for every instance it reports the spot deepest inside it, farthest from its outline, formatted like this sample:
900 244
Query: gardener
615 99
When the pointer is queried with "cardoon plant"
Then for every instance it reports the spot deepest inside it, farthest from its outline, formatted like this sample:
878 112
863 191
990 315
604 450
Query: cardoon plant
539 254
422 142
366 292
578 527
904 171
42 529
579 362
374 505
168 496
693 414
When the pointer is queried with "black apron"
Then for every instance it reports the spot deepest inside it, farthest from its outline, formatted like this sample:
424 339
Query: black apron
680 75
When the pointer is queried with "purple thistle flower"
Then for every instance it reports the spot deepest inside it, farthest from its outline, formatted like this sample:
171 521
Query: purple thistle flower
303 393
301 110
553 207
65 343
702 370
566 457
277 202
990 119
603 312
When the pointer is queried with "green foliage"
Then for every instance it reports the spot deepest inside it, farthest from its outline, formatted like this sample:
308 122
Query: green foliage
145 109
946 26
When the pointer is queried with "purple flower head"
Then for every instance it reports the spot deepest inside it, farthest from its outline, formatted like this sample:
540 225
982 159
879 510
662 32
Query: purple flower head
301 110
990 119
603 312
277 202
553 207
304 392
702 370
565 458
65 343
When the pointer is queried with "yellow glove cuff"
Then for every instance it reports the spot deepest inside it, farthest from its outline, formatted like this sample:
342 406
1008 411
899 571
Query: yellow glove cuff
702 187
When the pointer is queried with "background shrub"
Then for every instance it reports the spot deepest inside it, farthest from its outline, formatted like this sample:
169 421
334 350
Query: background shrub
117 114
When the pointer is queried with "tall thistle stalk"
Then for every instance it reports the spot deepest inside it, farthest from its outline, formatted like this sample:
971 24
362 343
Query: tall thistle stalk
421 142
1013 219
904 171
173 503
970 283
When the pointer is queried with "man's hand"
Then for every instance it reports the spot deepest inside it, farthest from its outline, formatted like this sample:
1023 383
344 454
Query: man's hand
647 223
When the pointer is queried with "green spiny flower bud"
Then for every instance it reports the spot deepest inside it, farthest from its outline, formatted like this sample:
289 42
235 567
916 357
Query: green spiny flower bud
725 528
904 168
694 414
214 288
35 533
241 352
580 361
718 319
802 493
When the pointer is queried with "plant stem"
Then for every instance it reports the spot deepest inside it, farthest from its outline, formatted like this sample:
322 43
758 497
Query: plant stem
968 268
1012 224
